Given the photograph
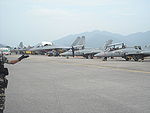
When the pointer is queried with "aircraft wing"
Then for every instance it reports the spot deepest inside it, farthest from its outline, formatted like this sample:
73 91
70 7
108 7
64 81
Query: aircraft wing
35 49
49 48
92 51
55 47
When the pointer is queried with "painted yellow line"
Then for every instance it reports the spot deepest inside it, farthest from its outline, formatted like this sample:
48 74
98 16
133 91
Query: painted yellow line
129 70
116 68
111 67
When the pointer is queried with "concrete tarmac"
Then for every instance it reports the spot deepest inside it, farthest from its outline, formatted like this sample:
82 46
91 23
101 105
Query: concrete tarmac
42 84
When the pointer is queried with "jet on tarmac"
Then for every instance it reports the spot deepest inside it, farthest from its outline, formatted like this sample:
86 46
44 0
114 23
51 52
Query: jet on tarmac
120 50
88 53
79 43
21 48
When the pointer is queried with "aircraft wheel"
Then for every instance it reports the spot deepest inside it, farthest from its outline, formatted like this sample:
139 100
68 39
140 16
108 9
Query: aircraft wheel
135 58
105 59
127 59
67 57
86 56
112 57
90 56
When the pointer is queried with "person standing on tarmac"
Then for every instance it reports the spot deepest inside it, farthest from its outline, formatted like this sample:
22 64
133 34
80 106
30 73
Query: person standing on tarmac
3 73
72 51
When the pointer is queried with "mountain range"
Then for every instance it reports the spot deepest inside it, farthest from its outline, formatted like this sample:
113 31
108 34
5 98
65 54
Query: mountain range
98 38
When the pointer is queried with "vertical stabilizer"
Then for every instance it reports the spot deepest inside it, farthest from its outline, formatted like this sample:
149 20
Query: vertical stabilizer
79 43
82 41
76 41
21 46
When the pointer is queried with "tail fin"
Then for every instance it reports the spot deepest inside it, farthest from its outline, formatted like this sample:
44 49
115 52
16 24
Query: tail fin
108 42
21 46
79 43
82 41
76 41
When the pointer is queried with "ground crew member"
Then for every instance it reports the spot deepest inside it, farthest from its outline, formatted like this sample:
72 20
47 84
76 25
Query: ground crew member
3 74
72 51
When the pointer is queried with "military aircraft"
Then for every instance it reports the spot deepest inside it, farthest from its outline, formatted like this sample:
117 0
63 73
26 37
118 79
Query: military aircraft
77 44
121 50
20 49
88 53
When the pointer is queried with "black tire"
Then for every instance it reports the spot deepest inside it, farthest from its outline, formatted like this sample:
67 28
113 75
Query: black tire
135 57
86 56
90 56
105 59
127 59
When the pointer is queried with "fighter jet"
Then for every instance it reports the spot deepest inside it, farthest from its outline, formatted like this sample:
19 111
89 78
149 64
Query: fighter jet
20 49
88 53
77 44
121 50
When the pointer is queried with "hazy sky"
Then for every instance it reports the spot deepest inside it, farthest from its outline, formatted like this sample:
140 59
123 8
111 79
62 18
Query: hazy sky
33 21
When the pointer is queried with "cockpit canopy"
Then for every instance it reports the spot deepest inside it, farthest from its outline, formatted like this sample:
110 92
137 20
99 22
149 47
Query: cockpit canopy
115 46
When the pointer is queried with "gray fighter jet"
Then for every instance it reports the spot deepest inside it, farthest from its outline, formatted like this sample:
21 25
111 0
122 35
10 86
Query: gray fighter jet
88 53
120 50
20 49
77 44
